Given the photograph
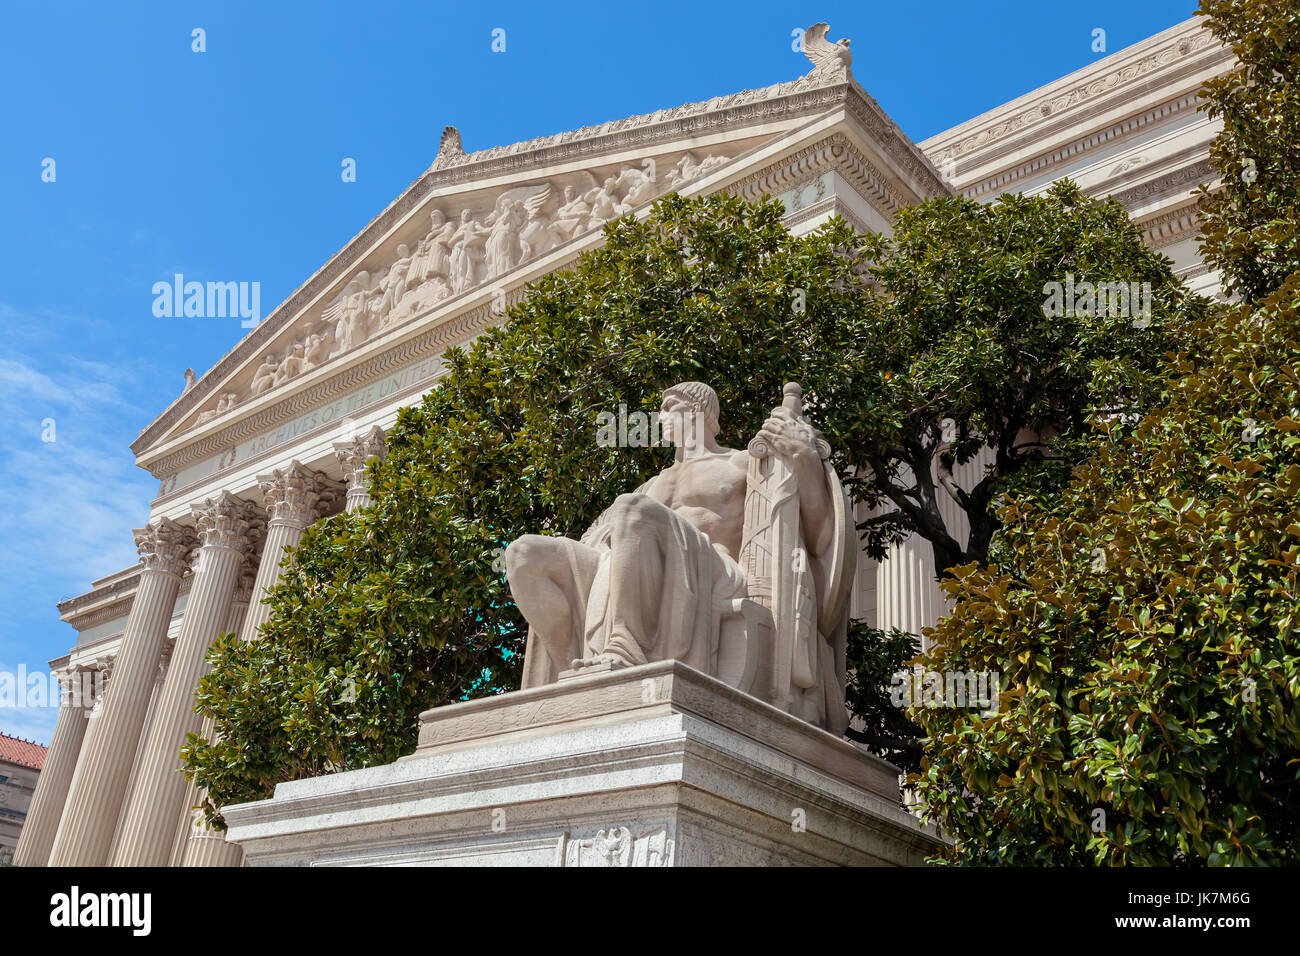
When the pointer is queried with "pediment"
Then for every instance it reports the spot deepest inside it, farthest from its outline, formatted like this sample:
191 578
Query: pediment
474 222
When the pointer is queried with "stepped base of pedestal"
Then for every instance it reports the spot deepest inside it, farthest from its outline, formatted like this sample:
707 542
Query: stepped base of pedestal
657 765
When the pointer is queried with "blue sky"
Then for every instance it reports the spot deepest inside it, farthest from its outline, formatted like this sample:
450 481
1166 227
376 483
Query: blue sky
225 165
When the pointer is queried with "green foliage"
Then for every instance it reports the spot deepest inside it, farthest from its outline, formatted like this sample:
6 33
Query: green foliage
958 331
399 607
1144 622
1144 626
1251 232
874 656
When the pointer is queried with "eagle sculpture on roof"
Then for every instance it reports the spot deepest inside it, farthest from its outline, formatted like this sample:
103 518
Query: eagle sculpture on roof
824 54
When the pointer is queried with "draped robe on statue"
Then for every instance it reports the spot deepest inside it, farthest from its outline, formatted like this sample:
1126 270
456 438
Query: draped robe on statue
645 584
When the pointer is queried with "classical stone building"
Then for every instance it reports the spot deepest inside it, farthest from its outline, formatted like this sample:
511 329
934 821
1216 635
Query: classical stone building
20 767
277 434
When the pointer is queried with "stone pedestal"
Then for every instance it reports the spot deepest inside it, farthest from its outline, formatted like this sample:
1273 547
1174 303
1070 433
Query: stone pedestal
657 765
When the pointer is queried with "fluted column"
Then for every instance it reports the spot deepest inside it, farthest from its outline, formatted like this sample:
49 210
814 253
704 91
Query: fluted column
197 843
295 498
99 787
229 530
42 823
354 456
164 659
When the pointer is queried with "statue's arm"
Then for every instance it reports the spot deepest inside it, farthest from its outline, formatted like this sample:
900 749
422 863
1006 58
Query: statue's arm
817 514
797 444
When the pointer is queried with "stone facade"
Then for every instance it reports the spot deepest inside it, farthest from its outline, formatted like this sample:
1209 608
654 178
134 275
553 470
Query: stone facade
279 431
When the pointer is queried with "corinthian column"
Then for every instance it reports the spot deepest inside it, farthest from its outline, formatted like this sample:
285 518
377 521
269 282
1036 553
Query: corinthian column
354 456
197 843
42 823
229 530
295 498
99 785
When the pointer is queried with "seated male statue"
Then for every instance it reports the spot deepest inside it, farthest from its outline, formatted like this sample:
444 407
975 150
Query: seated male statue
726 555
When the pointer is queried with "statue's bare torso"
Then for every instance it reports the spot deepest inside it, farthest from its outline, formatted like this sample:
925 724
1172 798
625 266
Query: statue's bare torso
709 492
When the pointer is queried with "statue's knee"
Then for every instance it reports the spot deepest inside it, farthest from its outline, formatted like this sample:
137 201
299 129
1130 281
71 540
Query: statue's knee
523 552
632 508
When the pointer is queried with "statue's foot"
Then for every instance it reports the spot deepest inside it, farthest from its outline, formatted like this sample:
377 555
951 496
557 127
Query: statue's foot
611 660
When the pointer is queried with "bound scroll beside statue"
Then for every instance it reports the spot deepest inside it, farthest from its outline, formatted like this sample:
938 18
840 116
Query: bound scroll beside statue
737 563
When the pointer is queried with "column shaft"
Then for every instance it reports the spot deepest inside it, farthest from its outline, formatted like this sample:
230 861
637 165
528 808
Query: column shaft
95 800
295 497
197 843
51 794
228 527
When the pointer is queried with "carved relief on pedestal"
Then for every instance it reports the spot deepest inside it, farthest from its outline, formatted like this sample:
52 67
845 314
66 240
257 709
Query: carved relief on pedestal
621 846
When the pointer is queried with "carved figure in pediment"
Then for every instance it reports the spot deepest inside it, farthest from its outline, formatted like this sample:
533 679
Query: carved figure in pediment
688 168
501 251
466 252
392 287
319 344
604 203
264 377
353 311
433 253
225 402
639 184
571 216
535 236
291 366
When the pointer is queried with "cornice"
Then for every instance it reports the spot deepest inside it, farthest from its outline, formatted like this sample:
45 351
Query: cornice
1172 226
1178 180
1003 179
1181 51
836 153
121 586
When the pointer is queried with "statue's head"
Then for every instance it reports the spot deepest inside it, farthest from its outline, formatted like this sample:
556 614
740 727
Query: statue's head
684 403
437 219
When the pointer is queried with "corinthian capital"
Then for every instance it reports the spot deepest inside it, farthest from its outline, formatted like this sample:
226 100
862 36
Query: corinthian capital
164 545
297 495
229 522
355 454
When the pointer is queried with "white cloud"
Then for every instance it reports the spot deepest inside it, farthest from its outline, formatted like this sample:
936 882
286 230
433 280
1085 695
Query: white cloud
69 505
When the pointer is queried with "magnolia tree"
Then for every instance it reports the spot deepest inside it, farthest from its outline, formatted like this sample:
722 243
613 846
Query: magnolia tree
403 605
1143 623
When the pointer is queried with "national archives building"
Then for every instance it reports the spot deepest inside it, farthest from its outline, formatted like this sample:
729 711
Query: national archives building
278 433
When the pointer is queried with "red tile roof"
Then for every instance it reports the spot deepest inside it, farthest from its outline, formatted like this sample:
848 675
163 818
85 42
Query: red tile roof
23 753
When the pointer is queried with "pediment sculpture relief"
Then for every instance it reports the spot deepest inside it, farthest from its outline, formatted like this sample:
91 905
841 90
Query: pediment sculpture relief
460 253
735 562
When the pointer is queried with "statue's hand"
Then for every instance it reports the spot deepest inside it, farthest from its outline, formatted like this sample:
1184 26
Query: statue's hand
788 436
